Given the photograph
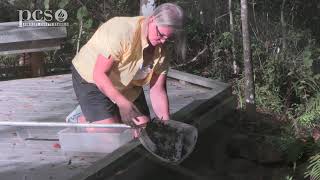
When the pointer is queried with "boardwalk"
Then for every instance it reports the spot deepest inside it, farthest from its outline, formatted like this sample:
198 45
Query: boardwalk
29 154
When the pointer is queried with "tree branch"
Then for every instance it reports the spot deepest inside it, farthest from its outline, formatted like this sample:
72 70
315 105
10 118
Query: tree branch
196 57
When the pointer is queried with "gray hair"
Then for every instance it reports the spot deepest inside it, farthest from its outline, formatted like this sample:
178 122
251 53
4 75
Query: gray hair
169 14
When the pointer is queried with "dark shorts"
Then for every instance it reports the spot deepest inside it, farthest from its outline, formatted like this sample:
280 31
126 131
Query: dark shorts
95 105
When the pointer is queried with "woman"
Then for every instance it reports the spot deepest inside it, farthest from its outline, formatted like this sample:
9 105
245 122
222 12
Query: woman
124 54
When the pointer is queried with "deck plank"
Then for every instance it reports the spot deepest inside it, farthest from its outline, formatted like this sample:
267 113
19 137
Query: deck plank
51 98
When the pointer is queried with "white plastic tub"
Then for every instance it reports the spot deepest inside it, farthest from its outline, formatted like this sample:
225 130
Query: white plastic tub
79 140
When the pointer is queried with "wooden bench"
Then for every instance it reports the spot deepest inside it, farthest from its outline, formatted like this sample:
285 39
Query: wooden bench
33 40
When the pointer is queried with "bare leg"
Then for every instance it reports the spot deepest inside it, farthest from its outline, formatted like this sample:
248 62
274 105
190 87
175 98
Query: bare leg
139 121
111 120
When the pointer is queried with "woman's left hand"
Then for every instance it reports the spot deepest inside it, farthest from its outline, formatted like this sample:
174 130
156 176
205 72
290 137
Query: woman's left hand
141 121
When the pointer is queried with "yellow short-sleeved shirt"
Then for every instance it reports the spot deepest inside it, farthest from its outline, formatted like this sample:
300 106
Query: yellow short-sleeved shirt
122 38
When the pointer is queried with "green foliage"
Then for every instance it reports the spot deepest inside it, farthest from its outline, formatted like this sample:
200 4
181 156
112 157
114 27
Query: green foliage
238 90
289 178
313 170
225 40
63 3
88 24
268 99
81 13
292 147
307 60
285 83
46 4
195 32
295 149
8 60
311 116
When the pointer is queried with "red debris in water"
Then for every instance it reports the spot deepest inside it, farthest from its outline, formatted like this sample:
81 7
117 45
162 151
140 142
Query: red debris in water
56 145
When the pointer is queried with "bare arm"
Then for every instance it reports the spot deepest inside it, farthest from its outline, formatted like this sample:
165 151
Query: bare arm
159 96
128 110
102 67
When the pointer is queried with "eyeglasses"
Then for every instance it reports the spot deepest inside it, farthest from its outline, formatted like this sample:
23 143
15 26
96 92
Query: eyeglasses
163 36
159 34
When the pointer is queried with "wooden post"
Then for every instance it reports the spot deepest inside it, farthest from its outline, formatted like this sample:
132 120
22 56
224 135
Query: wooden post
37 64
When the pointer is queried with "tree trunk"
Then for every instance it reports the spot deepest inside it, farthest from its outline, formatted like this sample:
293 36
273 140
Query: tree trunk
37 4
211 17
147 7
283 30
233 49
79 35
248 69
206 10
254 16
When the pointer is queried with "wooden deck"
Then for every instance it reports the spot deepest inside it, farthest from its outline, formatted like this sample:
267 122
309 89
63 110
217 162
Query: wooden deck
28 153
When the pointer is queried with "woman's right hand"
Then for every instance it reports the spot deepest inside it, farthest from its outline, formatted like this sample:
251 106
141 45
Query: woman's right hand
129 112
